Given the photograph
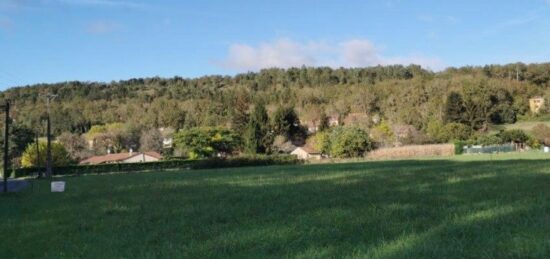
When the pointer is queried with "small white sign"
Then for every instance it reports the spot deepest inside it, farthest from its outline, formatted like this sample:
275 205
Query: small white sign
546 149
58 186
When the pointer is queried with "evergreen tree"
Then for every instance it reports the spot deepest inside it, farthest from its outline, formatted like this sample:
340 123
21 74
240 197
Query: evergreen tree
239 116
285 122
257 135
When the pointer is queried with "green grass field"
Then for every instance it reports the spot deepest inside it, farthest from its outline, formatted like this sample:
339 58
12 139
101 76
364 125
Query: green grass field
467 207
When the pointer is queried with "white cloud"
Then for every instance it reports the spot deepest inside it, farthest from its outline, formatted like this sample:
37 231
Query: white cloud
285 53
281 53
101 27
105 3
359 53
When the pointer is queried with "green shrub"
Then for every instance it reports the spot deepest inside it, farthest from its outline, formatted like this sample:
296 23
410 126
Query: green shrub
486 140
542 133
534 143
60 156
348 142
459 146
514 135
457 131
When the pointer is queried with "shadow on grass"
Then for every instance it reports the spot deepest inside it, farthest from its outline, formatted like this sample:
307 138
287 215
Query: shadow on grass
388 209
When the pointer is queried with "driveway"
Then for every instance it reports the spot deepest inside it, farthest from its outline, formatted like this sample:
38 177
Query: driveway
14 185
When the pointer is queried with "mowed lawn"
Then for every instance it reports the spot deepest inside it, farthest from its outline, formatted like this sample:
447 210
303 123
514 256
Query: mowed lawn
392 209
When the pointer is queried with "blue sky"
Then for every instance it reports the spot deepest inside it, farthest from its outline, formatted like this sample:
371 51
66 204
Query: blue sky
104 40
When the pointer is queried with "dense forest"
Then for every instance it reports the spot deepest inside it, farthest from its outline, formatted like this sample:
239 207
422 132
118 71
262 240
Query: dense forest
386 97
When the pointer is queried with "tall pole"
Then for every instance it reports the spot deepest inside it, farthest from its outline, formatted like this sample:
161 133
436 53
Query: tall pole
6 144
49 145
49 171
38 157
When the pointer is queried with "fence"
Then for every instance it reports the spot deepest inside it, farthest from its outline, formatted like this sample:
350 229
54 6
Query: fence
412 151
489 149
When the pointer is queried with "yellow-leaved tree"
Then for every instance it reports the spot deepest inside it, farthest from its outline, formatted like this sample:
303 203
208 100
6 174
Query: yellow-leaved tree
60 156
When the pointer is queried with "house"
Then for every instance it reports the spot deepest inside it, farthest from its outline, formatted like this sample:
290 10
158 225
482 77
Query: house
131 157
167 142
312 126
536 104
167 133
306 152
333 120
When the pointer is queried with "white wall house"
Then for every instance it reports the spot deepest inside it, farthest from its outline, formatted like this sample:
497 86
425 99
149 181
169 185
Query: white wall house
306 152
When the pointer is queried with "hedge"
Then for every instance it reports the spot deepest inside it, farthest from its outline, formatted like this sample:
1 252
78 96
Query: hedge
241 161
459 147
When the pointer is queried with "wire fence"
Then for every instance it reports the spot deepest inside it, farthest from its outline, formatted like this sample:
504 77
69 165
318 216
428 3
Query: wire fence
489 149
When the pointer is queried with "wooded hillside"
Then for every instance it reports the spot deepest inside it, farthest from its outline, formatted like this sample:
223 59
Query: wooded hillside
378 99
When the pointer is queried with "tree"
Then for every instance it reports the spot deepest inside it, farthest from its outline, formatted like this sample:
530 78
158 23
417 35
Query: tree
478 105
285 122
320 141
206 142
114 137
541 132
151 140
323 122
348 142
383 134
456 131
503 111
454 108
76 145
239 117
513 135
60 156
258 138
19 137
442 133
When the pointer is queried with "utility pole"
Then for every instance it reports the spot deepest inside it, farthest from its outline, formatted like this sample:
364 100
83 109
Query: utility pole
38 157
6 107
49 171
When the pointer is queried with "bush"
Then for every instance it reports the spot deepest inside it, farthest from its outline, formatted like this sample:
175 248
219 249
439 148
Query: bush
60 156
486 140
206 142
534 143
348 142
320 141
457 131
383 134
442 133
514 135
541 132
459 146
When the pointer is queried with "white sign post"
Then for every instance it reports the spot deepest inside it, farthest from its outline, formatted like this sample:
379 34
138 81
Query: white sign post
58 186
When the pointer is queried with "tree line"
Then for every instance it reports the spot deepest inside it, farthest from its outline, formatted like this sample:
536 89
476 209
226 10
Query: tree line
273 104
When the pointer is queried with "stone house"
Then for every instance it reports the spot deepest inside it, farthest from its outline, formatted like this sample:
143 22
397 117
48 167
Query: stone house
536 104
